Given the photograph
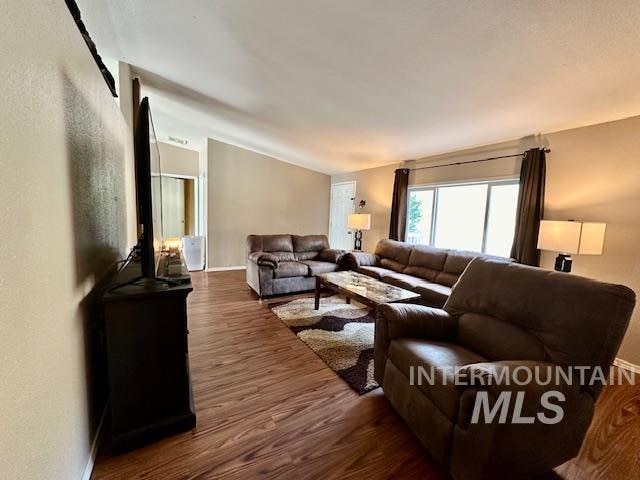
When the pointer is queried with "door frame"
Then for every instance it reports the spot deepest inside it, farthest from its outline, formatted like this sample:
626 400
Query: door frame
355 193
196 195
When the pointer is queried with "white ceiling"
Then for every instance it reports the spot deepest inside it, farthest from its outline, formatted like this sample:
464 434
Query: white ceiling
341 85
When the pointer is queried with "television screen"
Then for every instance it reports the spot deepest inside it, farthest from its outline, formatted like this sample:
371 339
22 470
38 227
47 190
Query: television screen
156 190
148 190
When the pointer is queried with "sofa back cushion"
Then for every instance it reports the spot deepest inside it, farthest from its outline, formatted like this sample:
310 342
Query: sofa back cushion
305 255
393 255
573 320
510 342
309 243
279 245
426 262
454 265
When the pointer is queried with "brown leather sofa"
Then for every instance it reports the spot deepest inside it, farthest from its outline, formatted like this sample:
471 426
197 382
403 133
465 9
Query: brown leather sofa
429 271
278 264
500 316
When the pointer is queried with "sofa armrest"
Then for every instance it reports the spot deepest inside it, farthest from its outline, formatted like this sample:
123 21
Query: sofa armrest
417 321
332 255
353 260
406 320
264 259
525 437
533 378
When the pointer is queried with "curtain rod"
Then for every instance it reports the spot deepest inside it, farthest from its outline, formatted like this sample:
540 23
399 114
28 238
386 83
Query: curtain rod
546 150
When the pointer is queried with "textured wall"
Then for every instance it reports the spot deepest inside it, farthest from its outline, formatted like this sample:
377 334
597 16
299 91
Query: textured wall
66 212
253 193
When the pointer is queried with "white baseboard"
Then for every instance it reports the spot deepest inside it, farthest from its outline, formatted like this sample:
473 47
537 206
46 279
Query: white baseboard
225 269
632 367
88 470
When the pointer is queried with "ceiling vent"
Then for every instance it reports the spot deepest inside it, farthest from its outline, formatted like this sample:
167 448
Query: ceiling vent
181 141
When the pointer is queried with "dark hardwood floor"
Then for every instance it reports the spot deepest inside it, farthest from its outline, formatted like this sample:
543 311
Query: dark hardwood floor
268 407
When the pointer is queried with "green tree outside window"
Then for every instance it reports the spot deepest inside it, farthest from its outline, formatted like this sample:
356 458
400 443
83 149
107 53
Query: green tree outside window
415 213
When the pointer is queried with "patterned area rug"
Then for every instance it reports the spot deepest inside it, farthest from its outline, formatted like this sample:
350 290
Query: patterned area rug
340 334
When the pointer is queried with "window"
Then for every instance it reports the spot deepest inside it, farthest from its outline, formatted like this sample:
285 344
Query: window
477 216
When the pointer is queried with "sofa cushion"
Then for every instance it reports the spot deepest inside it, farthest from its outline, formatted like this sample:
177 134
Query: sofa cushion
396 253
291 269
392 265
454 265
447 279
475 328
309 243
433 294
316 267
426 262
299 256
269 243
403 280
284 256
457 261
375 272
443 358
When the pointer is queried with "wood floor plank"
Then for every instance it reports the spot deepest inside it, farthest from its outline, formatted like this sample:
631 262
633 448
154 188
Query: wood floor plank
268 407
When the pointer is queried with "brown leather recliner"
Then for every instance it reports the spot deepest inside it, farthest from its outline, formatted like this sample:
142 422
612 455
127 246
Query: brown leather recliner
500 316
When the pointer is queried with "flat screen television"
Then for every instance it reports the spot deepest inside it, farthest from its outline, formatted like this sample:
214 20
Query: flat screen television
148 191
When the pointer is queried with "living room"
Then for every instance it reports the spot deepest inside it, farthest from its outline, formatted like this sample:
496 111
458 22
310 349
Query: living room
299 239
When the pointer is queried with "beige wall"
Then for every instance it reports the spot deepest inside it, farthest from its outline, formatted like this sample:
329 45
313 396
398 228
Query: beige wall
67 212
593 174
178 161
125 92
252 193
494 169
375 185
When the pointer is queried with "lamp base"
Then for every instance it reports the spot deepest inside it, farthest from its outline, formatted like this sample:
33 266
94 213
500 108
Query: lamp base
357 245
563 262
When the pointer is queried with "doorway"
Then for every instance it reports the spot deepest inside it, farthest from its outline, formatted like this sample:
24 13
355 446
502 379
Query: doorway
343 197
178 206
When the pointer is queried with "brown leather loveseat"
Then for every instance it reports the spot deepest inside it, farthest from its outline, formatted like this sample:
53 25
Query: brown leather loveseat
501 317
278 264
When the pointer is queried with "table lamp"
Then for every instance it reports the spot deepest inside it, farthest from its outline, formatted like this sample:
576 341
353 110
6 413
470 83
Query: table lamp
570 237
358 222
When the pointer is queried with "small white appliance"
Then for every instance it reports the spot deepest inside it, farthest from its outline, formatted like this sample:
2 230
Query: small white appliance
193 251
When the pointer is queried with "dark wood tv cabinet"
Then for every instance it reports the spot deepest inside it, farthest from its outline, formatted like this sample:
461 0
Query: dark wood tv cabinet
147 360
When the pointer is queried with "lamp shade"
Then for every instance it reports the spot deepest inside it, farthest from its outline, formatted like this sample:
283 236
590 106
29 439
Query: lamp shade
592 238
359 221
559 236
584 238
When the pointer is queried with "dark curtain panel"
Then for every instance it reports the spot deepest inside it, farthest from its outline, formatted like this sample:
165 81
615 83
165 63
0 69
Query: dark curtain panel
398 226
530 208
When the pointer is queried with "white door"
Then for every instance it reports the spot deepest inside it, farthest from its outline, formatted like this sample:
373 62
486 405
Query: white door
172 207
343 196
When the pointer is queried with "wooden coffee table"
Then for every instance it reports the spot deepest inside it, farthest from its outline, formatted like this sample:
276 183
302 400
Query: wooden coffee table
364 289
